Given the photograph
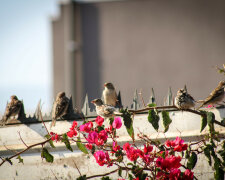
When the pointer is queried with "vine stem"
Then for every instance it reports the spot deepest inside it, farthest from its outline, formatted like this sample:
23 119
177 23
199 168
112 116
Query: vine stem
28 147
174 107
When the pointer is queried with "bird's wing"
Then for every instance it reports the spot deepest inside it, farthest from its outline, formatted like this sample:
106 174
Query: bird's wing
108 110
216 93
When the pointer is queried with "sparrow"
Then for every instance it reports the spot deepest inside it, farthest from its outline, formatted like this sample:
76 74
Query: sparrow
13 108
109 94
60 107
183 100
104 110
215 96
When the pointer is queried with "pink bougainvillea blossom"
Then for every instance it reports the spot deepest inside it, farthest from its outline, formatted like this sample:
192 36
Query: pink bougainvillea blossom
177 144
86 127
72 133
99 120
117 123
101 157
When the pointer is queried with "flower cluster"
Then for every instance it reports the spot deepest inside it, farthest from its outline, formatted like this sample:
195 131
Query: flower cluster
167 163
101 157
177 144
54 136
73 130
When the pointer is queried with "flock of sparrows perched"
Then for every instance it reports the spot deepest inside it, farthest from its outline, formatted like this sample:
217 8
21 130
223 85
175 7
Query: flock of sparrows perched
107 107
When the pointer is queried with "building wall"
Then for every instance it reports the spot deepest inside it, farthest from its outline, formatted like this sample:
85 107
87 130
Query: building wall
147 43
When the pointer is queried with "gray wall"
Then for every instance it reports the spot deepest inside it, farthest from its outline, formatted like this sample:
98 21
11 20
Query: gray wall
152 43
144 44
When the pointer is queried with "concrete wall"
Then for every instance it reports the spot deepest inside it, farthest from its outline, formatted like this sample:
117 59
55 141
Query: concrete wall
185 125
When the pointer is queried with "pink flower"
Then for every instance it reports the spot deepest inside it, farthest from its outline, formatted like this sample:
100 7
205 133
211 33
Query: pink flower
116 147
99 120
126 146
169 162
148 148
101 157
132 154
86 127
174 174
103 135
209 106
92 137
117 123
188 175
177 144
74 125
54 136
72 133
89 146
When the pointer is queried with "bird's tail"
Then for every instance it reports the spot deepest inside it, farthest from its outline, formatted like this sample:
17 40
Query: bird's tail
200 106
53 122
200 101
118 113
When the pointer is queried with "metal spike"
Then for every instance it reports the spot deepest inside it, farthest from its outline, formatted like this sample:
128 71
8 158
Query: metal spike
86 110
22 115
152 97
135 105
119 101
70 110
169 98
38 110
185 87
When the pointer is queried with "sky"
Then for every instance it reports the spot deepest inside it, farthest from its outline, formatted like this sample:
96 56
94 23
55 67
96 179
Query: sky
26 52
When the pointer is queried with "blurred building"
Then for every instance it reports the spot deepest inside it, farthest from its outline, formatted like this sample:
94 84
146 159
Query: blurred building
138 44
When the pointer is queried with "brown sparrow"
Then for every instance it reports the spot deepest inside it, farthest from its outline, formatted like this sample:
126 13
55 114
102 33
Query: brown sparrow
215 96
13 108
183 100
60 107
104 110
109 94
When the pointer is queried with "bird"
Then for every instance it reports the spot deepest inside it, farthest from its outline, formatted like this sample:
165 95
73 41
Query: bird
13 108
183 100
60 107
104 110
215 96
109 94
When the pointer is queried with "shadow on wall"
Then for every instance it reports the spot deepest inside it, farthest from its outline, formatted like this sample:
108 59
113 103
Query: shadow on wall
90 52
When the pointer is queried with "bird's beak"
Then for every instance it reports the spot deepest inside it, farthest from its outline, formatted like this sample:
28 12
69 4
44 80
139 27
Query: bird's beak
93 102
105 85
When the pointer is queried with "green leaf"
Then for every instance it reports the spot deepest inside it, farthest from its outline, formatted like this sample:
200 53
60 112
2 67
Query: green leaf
192 160
206 151
223 121
45 154
81 146
20 159
82 177
152 105
130 177
47 136
204 121
128 122
9 161
210 121
219 174
153 118
66 141
166 120
120 172
105 178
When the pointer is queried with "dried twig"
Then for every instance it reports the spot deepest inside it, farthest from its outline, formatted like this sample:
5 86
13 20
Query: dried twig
22 139
29 147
